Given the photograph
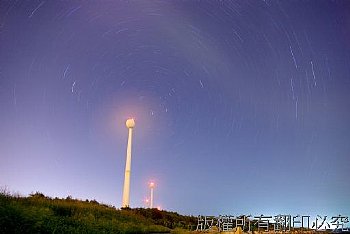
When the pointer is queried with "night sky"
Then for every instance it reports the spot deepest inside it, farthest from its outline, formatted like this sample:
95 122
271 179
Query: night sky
241 107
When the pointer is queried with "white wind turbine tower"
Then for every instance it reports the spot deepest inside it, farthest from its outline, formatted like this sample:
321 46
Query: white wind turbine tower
151 186
130 124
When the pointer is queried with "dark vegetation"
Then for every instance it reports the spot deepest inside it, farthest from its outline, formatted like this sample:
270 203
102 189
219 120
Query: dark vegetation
40 214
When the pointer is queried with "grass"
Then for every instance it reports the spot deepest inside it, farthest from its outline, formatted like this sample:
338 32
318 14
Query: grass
40 214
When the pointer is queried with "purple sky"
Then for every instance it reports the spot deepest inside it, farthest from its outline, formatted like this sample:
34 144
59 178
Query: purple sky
240 106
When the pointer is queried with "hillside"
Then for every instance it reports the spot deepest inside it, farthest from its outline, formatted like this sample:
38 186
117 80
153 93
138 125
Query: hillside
40 214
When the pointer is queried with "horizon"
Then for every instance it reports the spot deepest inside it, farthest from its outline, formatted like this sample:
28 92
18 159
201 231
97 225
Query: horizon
240 107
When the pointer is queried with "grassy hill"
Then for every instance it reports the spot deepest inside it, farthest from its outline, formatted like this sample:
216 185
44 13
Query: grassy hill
40 214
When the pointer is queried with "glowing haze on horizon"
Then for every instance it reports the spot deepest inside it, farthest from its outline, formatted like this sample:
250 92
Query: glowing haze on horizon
242 107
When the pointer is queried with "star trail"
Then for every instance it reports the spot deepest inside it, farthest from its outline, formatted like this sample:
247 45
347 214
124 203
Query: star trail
241 106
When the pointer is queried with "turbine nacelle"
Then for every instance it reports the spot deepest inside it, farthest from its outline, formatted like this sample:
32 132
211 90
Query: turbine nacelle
130 123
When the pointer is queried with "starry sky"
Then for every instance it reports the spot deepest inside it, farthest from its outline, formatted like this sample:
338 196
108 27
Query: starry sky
241 107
